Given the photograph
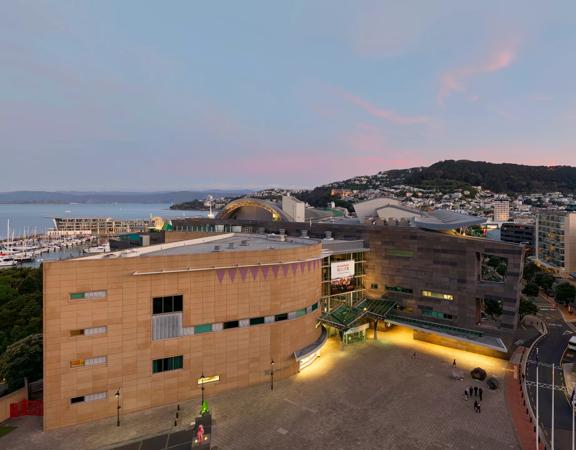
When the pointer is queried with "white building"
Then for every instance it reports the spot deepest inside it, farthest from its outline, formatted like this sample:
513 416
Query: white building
501 211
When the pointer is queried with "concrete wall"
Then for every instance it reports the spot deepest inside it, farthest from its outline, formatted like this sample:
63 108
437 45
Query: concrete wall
240 356
14 397
460 345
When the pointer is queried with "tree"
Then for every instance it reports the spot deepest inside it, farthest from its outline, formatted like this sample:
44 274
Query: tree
22 359
544 279
531 290
565 293
530 271
527 307
493 307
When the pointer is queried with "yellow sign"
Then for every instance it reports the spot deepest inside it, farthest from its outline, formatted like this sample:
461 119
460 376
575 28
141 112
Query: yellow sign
209 379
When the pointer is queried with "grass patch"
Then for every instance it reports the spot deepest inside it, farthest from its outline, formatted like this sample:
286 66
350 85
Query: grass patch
5 430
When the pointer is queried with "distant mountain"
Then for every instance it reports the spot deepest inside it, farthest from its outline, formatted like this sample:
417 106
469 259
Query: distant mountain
114 197
450 174
500 178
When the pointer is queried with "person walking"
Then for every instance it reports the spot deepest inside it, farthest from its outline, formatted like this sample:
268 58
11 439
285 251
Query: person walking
480 393
475 391
454 362
475 405
479 411
466 394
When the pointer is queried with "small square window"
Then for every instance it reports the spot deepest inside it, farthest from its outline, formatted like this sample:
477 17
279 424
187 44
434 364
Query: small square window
314 306
157 306
281 317
231 324
77 399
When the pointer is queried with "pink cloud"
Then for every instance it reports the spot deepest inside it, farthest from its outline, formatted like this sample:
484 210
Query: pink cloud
380 113
455 80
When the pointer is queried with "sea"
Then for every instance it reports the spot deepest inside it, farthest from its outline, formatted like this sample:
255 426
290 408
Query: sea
27 219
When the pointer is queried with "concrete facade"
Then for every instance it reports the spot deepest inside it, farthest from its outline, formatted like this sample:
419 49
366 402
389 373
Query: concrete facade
556 240
101 334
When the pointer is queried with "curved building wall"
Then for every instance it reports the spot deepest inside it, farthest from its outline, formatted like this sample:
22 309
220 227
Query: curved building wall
101 333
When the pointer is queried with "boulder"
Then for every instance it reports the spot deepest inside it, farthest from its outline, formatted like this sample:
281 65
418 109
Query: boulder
478 374
492 383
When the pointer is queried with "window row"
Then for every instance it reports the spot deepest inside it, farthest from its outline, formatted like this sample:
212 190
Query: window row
438 295
209 327
169 304
89 331
400 289
437 315
89 295
89 398
166 364
96 361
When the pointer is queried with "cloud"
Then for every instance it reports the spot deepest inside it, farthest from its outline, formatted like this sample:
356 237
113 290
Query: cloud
380 113
455 80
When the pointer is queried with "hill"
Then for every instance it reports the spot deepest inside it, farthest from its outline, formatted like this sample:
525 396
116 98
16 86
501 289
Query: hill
449 175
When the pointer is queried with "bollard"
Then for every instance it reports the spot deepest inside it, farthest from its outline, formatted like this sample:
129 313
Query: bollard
176 415
178 407
175 423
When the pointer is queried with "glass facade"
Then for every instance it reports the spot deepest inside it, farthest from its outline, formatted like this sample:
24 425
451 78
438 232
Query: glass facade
551 234
347 290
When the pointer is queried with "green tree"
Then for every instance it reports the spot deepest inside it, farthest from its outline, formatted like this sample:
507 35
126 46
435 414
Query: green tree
565 293
530 271
544 279
531 290
492 307
22 359
527 307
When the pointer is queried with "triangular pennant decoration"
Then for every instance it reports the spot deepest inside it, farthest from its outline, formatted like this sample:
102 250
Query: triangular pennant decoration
232 274
294 268
275 270
243 272
285 269
265 270
220 274
254 271
302 266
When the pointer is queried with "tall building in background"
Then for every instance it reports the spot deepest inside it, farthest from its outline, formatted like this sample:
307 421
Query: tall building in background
556 240
501 211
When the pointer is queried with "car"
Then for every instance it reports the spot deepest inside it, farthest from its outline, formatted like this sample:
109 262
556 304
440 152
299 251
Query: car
572 344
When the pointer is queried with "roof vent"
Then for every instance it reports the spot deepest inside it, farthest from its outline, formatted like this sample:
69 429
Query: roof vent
216 248
244 242
231 245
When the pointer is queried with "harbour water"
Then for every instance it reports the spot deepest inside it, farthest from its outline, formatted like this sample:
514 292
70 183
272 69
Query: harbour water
37 218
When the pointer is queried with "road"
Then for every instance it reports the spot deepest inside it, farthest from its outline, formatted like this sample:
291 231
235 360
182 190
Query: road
551 349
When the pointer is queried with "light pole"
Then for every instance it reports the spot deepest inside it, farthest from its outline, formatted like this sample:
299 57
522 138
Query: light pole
272 375
553 392
117 395
202 389
537 404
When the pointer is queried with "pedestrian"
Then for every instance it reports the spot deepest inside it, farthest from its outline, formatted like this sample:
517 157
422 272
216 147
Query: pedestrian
479 411
414 355
466 394
480 393
475 391
475 405
454 362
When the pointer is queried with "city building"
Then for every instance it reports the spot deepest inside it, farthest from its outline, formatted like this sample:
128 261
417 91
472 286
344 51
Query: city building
501 211
101 226
519 233
151 323
556 240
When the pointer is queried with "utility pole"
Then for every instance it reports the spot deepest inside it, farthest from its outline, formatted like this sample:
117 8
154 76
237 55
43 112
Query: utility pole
272 375
117 395
537 405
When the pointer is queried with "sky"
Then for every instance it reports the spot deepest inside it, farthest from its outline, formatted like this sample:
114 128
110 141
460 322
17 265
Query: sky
150 95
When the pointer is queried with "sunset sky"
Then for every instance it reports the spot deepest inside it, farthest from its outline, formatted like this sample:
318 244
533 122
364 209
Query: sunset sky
152 95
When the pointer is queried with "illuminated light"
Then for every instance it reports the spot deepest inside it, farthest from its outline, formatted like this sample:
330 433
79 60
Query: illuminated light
306 361
437 295
76 363
211 379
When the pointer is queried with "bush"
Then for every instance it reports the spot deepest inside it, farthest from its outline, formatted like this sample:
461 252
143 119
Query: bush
527 307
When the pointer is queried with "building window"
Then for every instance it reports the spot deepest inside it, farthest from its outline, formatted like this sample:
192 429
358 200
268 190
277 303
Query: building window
257 321
231 324
281 317
374 286
438 295
206 328
166 364
399 289
299 312
437 315
169 304
98 360
89 398
89 295
399 252
89 331
314 306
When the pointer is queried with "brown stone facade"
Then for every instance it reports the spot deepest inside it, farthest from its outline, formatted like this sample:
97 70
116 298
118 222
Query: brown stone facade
217 288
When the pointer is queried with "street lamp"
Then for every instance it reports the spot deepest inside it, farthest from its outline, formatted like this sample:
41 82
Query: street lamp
272 375
117 395
202 389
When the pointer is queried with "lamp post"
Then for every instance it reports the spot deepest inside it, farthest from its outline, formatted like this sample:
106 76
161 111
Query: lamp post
117 395
537 406
272 375
202 389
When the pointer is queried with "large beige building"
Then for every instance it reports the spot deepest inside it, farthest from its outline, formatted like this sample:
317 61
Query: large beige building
556 240
147 323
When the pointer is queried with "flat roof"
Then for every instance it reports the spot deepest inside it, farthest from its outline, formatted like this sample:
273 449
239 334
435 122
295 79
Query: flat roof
230 242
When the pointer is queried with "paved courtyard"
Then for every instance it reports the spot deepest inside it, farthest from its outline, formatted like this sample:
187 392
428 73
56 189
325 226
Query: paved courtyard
372 395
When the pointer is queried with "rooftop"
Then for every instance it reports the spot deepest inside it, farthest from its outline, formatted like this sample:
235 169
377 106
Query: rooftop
230 242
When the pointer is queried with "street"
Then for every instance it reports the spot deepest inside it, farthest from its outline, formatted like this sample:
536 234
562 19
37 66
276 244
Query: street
551 350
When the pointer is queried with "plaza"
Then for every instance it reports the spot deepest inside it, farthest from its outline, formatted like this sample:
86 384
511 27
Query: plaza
393 393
